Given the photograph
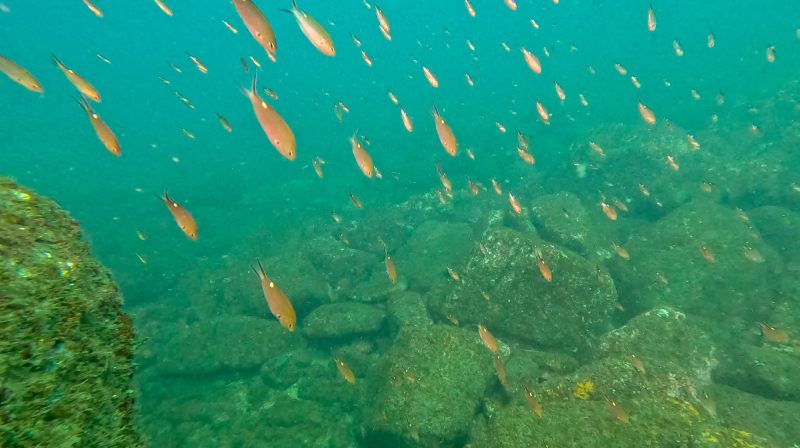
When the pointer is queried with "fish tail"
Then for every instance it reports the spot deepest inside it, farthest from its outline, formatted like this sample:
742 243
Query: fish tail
55 60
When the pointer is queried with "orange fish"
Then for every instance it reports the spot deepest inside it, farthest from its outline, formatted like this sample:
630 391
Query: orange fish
432 80
314 32
200 66
752 254
386 34
773 335
84 87
621 251
182 217
544 115
514 204
621 70
383 22
544 269
497 188
470 154
273 125
532 402
392 98
560 93
470 9
651 19
526 156
707 255
583 100
94 9
102 130
500 127
647 115
318 163
672 164
163 7
446 136
345 371
336 218
522 140
258 25
771 54
617 412
407 123
453 274
279 305
470 82
446 183
501 368
597 149
676 46
488 340
533 62
474 188
362 157
224 123
367 59
635 82
608 210
355 201
355 40
512 4
391 269
711 40
637 364
19 75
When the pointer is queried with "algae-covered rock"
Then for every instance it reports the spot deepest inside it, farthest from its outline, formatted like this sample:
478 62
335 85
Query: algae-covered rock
562 219
226 344
775 420
341 320
663 397
702 258
428 386
433 247
65 346
772 371
779 227
407 307
504 289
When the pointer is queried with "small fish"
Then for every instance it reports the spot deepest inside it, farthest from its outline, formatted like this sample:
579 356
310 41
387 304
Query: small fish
621 251
705 253
544 269
230 27
200 66
336 218
532 402
446 183
386 34
318 163
258 25
446 136
345 371
344 239
432 80
621 70
453 274
470 9
651 19
497 188
500 127
514 204
534 24
608 210
142 259
274 126
522 140
182 217
672 164
163 7
175 67
617 412
644 190
224 123
141 235
367 59
487 338
711 40
647 115
314 32
470 154
383 22
512 4
188 134
363 159
391 269
104 133
254 61
597 149
526 156
560 93
102 58
279 304
676 46
544 115
407 123
355 201
94 9
19 75
500 367
752 254
635 82
637 364
770 54
355 40
533 62
244 64
453 320
470 82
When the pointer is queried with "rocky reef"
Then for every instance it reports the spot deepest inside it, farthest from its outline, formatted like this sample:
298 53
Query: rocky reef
66 348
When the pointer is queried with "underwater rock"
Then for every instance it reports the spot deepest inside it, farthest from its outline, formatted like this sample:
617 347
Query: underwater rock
779 228
504 289
65 345
432 248
664 397
407 308
227 344
772 371
775 420
342 320
702 258
561 219
427 387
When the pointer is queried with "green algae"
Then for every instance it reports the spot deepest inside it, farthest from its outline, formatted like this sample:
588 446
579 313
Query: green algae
65 346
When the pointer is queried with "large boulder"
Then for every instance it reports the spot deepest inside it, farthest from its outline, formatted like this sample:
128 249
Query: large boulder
343 320
503 289
427 388
702 258
65 345
561 219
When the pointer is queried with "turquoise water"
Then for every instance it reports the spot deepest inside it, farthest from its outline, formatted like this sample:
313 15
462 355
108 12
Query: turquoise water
250 203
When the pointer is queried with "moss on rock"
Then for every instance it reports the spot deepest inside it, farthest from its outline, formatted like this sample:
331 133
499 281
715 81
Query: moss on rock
65 345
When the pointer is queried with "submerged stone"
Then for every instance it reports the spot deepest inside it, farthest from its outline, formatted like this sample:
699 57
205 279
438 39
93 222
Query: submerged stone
341 320
504 289
427 387
65 345
562 219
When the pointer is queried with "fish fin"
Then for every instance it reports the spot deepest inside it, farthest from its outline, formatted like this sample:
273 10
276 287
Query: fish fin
84 105
286 10
261 273
294 4
55 60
